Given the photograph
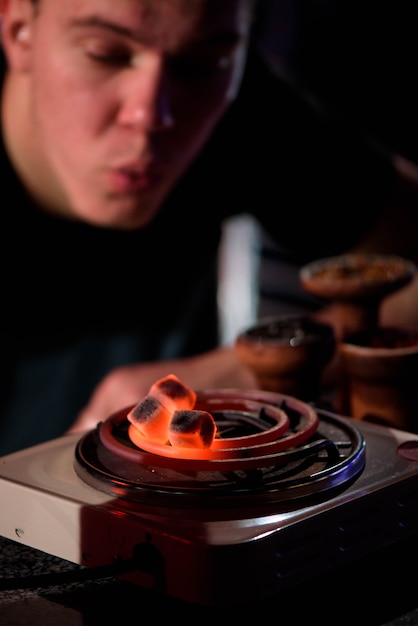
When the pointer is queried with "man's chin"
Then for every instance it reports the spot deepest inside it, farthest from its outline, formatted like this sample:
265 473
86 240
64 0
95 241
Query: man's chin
120 217
118 223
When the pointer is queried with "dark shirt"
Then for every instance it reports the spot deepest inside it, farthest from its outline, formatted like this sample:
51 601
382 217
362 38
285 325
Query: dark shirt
79 300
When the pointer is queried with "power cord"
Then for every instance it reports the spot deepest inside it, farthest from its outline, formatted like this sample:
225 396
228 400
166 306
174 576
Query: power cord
81 574
146 558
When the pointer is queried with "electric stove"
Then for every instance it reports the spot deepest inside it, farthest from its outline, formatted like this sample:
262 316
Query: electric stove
288 491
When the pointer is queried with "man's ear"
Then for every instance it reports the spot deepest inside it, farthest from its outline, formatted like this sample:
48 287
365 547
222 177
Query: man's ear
17 21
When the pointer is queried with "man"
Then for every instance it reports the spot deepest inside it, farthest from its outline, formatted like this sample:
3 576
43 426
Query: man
131 130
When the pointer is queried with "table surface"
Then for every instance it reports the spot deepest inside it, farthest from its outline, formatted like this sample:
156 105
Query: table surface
379 591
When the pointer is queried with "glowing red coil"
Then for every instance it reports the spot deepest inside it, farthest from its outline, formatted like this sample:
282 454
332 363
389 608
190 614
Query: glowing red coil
256 450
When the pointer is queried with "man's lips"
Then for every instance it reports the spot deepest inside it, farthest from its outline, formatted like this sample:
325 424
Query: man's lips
130 180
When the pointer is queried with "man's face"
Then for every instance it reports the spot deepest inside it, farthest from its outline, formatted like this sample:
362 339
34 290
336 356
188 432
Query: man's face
124 94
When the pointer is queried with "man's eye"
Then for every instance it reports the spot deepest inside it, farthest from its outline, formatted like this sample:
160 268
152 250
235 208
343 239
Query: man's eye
109 56
111 59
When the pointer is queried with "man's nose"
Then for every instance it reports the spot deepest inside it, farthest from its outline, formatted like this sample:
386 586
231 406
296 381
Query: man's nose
147 99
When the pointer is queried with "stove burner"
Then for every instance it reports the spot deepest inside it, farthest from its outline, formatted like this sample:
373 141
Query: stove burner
247 450
316 456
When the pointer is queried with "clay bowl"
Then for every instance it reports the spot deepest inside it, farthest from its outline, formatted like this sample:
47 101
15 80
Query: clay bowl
380 376
356 276
287 353
356 285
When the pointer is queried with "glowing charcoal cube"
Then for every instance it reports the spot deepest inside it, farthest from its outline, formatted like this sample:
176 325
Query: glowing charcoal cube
151 418
173 393
192 429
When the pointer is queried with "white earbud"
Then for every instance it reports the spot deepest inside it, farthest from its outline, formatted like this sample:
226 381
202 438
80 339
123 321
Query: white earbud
22 34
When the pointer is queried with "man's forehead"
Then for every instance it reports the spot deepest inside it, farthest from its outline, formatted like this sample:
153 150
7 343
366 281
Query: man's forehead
202 11
150 8
155 15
